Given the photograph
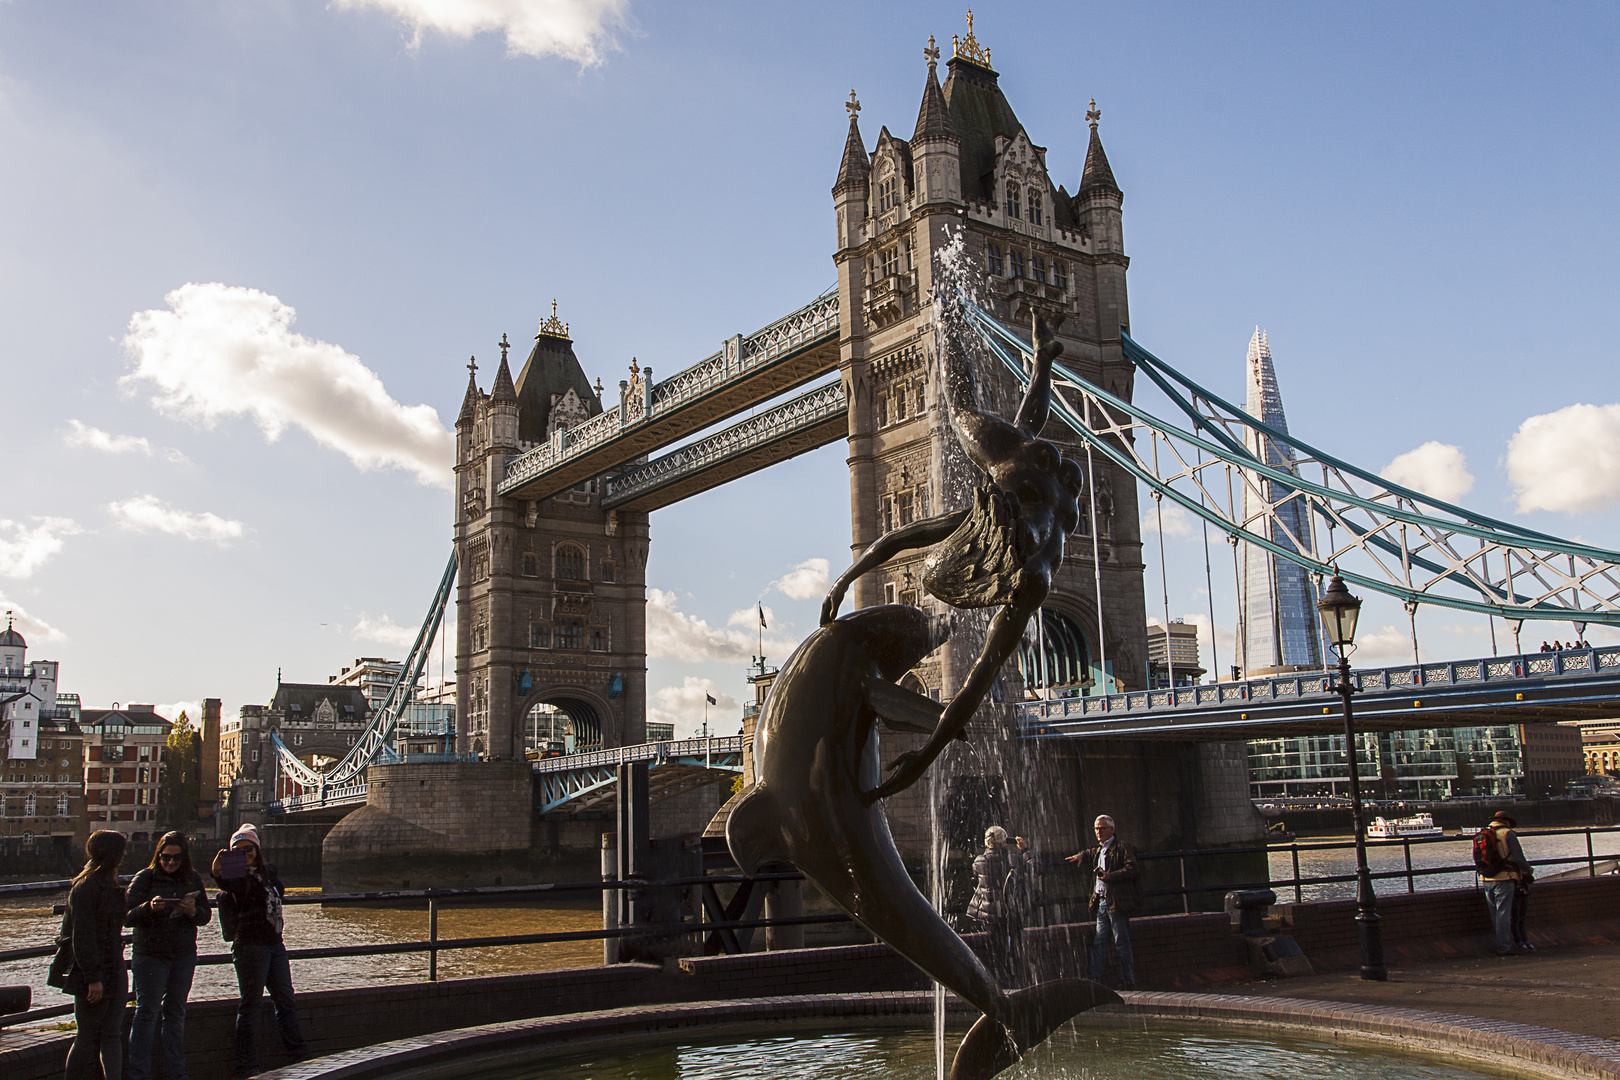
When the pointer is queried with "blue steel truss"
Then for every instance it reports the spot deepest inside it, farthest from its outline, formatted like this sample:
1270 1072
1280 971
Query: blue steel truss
576 778
1378 534
345 781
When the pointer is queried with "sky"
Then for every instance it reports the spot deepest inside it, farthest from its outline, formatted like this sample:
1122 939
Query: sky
246 249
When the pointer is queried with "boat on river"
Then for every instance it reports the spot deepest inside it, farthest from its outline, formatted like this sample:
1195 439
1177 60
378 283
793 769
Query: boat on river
1404 828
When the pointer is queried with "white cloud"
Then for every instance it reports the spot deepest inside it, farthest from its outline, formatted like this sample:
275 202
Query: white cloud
223 350
172 710
674 635
1386 645
1567 460
79 434
35 629
577 30
384 631
749 616
144 513
1435 469
24 550
683 706
1176 520
806 581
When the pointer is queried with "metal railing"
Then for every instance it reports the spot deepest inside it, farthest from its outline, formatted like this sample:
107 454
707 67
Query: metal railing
433 944
1186 861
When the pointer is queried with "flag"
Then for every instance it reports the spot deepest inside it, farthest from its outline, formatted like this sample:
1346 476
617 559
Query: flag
710 699
762 625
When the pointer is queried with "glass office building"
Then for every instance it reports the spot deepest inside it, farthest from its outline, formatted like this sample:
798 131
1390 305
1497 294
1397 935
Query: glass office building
1423 764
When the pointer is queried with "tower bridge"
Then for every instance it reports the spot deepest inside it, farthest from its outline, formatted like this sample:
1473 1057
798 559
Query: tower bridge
555 484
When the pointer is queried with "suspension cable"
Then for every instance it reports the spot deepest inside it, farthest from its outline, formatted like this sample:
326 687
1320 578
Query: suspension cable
1096 558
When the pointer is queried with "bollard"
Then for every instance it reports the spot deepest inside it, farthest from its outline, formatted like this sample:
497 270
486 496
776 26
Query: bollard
610 898
433 937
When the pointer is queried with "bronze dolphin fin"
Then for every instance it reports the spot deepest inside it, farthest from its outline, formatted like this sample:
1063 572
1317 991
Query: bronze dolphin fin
1033 1014
899 709
753 832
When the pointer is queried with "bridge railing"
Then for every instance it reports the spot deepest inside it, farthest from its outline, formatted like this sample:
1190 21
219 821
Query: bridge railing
713 746
1400 678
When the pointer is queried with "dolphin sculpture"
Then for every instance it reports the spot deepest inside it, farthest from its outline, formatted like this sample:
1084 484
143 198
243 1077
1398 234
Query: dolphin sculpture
816 763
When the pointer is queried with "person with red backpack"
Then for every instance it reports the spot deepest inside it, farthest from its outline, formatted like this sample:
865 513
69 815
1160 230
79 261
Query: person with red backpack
1501 864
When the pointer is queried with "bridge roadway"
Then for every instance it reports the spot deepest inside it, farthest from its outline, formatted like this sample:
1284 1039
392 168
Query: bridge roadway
1577 684
746 372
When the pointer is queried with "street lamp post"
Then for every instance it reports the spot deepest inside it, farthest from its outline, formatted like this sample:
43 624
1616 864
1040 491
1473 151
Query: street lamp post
1339 610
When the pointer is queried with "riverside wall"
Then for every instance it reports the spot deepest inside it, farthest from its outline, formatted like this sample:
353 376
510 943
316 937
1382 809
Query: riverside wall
1174 952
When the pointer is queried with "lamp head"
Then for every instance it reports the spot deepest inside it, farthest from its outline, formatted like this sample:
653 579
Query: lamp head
1339 610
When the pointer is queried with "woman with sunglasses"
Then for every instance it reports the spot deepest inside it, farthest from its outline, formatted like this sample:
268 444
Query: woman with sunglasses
167 903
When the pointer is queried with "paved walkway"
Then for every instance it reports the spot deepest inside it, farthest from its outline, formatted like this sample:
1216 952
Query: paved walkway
1572 988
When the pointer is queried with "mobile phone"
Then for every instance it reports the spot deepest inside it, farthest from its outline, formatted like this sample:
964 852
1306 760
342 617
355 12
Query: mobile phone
233 865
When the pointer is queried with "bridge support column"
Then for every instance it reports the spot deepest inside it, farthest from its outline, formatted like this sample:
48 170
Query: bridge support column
635 825
784 900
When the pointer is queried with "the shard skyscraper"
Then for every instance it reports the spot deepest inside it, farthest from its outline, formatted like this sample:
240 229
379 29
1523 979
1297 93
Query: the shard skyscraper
1277 621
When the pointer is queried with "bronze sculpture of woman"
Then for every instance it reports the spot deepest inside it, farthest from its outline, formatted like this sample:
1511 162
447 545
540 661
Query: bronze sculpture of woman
1003 550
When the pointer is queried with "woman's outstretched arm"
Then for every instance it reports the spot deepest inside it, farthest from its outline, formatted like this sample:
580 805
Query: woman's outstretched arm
918 534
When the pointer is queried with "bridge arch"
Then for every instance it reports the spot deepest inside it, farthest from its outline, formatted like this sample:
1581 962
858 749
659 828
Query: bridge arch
563 710
1070 654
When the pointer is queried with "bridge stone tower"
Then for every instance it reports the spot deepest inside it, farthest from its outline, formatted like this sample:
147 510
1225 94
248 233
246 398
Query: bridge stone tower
970 168
551 597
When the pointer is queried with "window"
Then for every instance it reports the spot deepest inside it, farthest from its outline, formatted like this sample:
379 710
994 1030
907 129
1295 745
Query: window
922 404
531 565
1034 206
539 636
1013 209
598 639
607 571
61 805
994 252
571 635
30 806
888 195
910 256
1015 261
888 593
902 508
891 260
888 513
1037 268
1060 274
255 754
900 404
882 411
570 563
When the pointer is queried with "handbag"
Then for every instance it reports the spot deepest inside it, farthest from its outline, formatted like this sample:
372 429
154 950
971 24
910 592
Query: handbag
63 975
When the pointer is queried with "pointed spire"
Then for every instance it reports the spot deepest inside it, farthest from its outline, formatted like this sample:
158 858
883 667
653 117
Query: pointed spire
1097 175
469 404
933 118
502 393
856 167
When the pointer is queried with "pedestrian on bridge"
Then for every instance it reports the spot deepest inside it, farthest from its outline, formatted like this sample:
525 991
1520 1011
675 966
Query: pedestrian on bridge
250 915
167 902
1115 897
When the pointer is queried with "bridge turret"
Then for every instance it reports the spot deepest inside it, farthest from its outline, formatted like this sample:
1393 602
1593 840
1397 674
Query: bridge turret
850 192
936 149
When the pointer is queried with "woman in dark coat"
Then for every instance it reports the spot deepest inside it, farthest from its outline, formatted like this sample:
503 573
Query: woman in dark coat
167 903
95 919
250 912
1001 900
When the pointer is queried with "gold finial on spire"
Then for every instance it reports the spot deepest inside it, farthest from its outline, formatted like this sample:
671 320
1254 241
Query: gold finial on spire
853 105
1093 114
932 52
968 48
553 327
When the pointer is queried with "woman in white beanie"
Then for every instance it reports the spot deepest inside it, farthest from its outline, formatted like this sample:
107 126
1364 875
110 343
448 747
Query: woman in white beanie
250 914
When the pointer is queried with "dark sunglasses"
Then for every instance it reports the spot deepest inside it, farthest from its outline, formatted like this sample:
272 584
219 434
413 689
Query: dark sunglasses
170 858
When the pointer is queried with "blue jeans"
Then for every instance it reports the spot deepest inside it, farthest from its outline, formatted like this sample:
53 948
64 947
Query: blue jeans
260 968
1113 935
1499 896
98 1041
162 985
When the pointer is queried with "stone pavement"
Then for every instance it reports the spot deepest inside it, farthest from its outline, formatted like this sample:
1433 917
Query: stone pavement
1573 988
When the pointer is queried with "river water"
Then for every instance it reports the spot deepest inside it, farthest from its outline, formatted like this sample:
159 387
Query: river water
30 922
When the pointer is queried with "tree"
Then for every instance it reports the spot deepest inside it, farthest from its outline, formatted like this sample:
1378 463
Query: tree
181 783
